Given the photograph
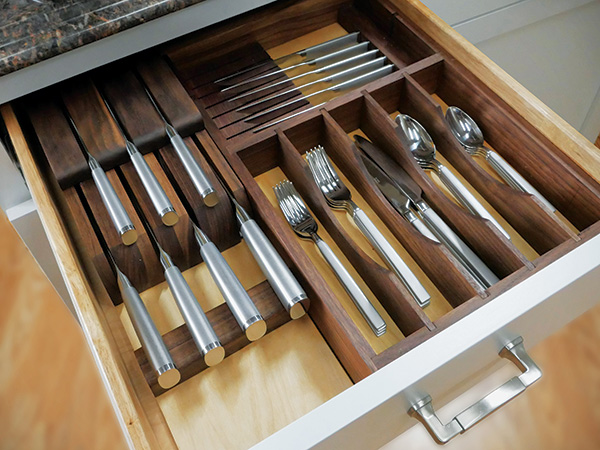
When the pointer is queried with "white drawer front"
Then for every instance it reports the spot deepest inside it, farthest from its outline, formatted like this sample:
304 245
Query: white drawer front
374 411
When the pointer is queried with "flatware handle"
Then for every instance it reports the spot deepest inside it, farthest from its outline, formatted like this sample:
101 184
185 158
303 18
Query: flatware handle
280 277
457 246
391 257
200 328
363 304
514 178
116 210
158 197
239 302
464 196
414 220
193 169
156 351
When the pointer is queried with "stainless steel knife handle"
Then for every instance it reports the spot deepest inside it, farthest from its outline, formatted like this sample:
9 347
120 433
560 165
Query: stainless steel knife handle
149 337
193 169
363 304
465 197
116 210
391 257
243 309
160 201
200 328
514 178
281 279
457 246
326 47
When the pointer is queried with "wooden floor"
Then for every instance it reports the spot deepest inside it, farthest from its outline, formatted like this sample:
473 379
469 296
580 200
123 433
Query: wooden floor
51 396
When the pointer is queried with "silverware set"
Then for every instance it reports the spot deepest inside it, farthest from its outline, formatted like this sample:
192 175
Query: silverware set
340 64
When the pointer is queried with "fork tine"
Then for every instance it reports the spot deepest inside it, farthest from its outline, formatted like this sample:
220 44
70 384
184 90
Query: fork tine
328 166
328 182
316 170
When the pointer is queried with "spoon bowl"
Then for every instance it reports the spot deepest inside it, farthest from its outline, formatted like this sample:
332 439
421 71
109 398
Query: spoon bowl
464 128
417 139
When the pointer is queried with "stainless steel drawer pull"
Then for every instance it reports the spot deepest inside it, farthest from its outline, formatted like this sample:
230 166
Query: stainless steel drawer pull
514 351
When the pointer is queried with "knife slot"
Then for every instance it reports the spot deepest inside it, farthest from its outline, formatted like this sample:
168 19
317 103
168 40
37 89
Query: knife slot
561 181
65 157
134 110
97 128
386 287
443 277
542 229
170 95
499 254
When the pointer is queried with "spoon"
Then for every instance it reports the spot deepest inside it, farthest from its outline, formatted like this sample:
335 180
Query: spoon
467 132
419 142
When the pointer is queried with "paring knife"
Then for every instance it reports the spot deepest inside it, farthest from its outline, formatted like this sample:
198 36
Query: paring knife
406 187
322 61
239 302
201 330
344 64
307 53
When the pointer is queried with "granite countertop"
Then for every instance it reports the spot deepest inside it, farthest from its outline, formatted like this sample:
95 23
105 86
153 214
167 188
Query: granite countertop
34 30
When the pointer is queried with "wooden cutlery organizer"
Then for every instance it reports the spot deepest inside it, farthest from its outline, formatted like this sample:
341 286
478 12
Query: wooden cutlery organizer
305 362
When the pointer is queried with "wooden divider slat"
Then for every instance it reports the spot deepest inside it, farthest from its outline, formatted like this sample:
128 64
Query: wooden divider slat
177 240
98 130
170 95
131 104
90 243
186 355
65 157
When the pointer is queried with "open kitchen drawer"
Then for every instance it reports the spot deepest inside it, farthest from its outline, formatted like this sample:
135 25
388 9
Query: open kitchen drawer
323 379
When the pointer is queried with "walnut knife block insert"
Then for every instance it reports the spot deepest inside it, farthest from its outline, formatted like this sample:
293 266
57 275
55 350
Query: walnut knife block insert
334 341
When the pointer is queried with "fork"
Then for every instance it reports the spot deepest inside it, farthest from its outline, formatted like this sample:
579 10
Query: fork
305 226
339 197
